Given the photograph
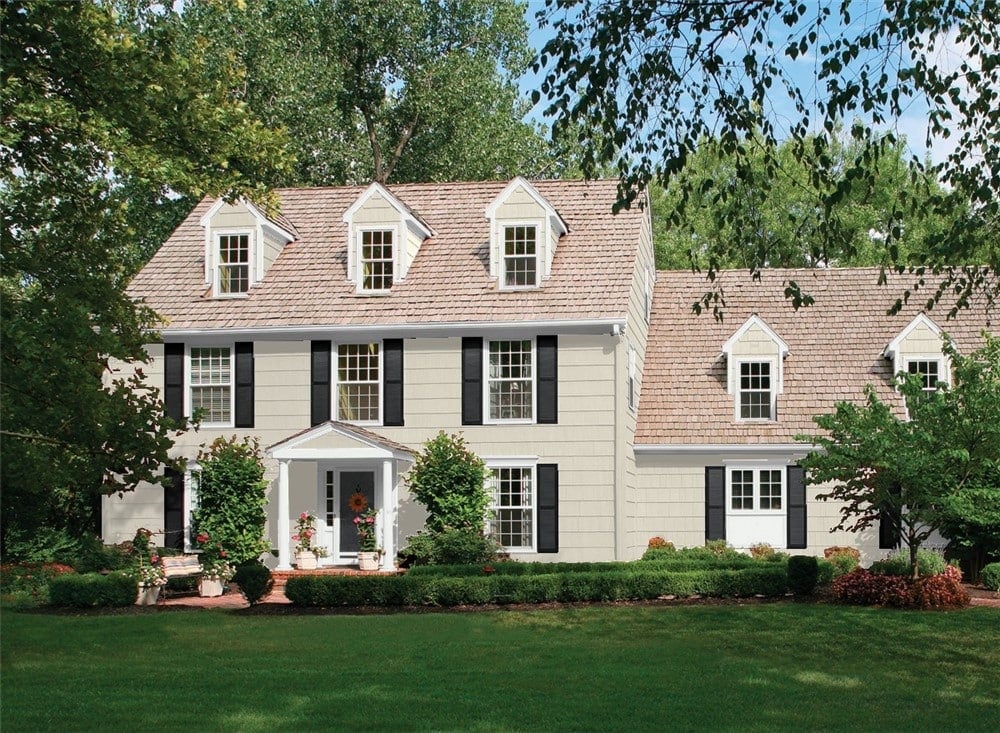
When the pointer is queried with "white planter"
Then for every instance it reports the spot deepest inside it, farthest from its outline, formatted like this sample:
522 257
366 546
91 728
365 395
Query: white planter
305 560
368 560
147 595
210 588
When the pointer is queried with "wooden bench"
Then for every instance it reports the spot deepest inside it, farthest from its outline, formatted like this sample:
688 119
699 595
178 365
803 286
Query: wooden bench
180 566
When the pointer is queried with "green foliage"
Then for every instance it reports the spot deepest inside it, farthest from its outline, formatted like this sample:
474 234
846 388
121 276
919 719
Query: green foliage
913 468
449 547
676 563
231 498
93 590
26 584
803 574
100 103
642 582
825 572
255 581
928 563
990 576
654 80
938 592
393 90
450 481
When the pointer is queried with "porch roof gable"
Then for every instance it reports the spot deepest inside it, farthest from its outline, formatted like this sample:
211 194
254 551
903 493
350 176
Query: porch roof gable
349 442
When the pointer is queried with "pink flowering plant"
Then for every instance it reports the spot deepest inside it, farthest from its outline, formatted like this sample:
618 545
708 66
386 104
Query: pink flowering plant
305 531
215 561
148 571
367 534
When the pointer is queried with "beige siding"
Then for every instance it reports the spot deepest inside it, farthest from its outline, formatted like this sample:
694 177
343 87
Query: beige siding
520 206
921 341
234 216
755 342
272 249
376 211
671 496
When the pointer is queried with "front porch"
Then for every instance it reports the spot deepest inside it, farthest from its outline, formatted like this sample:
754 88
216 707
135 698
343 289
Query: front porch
335 471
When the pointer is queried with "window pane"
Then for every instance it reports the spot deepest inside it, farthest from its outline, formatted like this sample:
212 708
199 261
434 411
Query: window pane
376 260
742 490
519 257
511 515
211 382
234 267
928 372
510 380
770 490
358 382
755 390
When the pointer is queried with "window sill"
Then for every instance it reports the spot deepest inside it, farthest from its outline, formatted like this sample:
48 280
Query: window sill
230 296
512 421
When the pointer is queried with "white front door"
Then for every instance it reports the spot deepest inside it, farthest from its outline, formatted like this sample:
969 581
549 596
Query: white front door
338 533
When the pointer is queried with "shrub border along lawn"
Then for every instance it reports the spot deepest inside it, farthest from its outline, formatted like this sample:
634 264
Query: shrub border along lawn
588 585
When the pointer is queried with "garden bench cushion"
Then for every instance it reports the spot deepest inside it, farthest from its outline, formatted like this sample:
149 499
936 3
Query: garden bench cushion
181 565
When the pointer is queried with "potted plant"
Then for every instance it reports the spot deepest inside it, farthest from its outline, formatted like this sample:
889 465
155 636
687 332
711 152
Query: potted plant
216 569
305 552
369 552
150 578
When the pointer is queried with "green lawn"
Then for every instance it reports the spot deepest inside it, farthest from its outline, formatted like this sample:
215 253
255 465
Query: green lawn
758 667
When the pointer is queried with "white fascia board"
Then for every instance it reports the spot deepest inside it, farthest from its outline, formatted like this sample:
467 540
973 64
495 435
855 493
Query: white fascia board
404 211
519 182
723 449
594 326
263 221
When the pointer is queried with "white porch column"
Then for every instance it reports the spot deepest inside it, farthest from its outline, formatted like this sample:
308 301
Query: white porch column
284 520
388 517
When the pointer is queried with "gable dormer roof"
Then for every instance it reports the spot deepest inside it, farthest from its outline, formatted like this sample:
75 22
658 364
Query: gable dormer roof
892 349
755 321
559 224
278 226
411 218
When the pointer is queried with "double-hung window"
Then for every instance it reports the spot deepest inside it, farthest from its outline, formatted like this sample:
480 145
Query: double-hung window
376 260
232 271
756 391
511 518
211 384
511 378
520 256
755 490
358 381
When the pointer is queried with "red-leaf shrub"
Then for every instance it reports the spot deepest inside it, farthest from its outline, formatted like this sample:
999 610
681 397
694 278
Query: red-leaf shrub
865 588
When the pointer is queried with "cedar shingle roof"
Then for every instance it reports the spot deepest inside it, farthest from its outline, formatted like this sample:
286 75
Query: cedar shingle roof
835 349
448 281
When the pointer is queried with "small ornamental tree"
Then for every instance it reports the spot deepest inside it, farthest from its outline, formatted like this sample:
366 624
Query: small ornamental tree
231 498
918 469
450 480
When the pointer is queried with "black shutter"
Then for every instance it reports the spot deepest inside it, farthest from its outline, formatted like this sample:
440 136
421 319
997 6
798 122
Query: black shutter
472 381
392 381
173 380
548 380
244 384
797 508
319 388
548 507
715 503
173 509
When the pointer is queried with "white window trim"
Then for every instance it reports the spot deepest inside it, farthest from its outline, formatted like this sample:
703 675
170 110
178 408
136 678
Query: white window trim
631 391
232 383
944 368
514 462
487 420
782 470
217 234
335 382
738 363
540 248
191 502
359 252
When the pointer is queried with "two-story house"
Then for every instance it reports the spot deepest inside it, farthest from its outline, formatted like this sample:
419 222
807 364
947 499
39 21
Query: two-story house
353 327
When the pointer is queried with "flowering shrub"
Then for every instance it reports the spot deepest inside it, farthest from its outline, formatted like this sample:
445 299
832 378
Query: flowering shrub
843 559
305 530
659 543
28 582
151 574
940 591
761 551
367 534
215 561
836 551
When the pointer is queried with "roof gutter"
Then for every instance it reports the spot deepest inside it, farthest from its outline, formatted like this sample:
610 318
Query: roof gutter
727 449
609 326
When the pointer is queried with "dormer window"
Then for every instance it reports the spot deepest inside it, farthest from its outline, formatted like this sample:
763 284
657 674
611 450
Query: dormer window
918 350
520 257
232 273
376 260
929 371
755 356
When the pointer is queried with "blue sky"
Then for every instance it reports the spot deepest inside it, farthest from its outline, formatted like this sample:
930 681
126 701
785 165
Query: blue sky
913 124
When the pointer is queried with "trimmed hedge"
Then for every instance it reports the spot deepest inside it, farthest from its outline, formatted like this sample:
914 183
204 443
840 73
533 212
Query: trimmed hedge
990 576
416 589
678 563
93 590
803 573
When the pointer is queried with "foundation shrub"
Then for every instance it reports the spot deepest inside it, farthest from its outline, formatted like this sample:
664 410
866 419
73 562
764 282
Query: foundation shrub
658 543
26 584
676 562
803 574
928 563
762 551
940 591
826 571
843 559
837 550
255 581
990 576
93 590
